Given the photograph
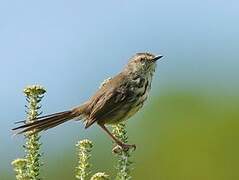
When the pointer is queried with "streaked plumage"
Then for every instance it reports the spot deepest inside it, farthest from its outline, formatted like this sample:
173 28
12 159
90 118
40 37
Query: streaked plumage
117 100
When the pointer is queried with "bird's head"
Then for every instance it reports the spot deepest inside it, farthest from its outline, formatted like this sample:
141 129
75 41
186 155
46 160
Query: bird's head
143 62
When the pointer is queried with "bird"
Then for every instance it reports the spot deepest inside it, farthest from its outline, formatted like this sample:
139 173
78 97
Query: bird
117 99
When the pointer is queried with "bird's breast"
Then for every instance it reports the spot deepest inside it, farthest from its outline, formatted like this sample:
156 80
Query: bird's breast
141 91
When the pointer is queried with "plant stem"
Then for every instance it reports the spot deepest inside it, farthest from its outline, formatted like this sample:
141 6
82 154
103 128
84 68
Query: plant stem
20 168
33 94
84 147
124 163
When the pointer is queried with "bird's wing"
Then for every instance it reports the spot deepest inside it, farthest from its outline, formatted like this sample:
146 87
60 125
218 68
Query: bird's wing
108 100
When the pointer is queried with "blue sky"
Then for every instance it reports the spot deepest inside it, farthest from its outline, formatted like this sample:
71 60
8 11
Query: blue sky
71 46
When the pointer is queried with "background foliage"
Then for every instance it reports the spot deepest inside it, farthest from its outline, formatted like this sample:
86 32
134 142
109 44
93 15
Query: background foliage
189 127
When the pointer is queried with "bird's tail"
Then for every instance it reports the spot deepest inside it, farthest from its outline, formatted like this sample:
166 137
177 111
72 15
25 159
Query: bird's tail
49 121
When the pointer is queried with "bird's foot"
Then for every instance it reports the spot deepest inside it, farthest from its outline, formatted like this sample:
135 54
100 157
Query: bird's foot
123 147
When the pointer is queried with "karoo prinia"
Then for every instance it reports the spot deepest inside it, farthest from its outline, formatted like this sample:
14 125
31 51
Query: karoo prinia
116 100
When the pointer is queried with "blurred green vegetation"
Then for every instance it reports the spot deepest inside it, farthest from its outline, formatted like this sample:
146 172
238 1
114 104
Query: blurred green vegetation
179 136
189 137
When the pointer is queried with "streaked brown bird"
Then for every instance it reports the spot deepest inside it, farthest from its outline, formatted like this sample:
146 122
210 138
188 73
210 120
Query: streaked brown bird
116 100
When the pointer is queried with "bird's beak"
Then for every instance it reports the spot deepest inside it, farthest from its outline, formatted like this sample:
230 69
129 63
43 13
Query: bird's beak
157 57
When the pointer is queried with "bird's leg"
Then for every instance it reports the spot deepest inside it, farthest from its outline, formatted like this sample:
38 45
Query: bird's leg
117 141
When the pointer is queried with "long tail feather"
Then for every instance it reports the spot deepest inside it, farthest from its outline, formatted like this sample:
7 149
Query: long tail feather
46 122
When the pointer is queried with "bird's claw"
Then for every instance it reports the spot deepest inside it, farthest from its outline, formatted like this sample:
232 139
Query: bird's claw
123 147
